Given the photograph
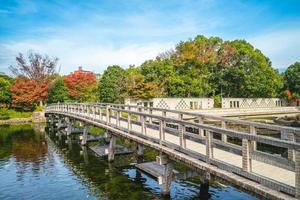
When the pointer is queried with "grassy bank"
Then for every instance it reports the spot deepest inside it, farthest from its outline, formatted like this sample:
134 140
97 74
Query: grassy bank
12 114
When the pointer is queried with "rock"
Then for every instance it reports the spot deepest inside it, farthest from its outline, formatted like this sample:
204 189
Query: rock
38 116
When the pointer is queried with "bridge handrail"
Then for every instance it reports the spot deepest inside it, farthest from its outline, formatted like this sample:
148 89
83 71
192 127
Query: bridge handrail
232 133
287 129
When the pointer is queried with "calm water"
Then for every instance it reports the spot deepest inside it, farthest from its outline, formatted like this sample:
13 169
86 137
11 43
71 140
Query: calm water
34 165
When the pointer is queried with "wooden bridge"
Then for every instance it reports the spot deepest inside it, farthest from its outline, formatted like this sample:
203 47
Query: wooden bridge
230 149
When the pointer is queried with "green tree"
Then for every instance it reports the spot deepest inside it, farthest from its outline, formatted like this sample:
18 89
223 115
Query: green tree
137 88
58 92
112 88
5 93
159 72
195 62
292 79
251 75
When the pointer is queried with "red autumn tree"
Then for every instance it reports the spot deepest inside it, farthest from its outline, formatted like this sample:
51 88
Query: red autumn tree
36 72
27 93
82 86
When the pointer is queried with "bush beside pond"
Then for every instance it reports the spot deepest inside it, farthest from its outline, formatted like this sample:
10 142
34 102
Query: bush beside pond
11 114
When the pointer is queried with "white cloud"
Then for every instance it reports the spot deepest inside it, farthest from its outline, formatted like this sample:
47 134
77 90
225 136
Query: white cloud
94 57
281 46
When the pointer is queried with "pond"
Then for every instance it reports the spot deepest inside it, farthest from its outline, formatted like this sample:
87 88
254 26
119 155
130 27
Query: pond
35 165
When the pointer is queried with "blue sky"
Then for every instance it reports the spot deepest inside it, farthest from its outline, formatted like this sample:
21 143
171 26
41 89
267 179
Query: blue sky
95 34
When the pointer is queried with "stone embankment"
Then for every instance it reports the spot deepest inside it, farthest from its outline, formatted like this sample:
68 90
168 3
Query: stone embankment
37 117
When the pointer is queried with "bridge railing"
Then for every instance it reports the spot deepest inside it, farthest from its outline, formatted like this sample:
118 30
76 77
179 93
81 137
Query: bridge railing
285 132
199 132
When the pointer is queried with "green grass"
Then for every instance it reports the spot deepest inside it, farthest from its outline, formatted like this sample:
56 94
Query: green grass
96 131
11 114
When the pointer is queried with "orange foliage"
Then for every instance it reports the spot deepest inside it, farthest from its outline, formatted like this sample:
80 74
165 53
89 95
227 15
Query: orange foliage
27 92
288 94
79 82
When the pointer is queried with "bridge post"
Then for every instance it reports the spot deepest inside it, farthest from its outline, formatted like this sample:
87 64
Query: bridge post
143 126
246 159
100 113
161 131
290 137
139 110
201 131
223 136
107 115
129 126
94 111
297 167
253 143
209 148
182 140
111 148
204 187
118 119
150 118
85 134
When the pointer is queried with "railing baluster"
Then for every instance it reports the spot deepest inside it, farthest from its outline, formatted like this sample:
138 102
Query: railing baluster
118 119
100 113
182 139
223 136
107 115
129 126
143 127
253 143
161 131
201 131
150 118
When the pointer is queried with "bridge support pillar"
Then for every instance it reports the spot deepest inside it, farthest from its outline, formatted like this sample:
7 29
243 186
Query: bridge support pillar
69 141
111 148
140 149
59 123
140 152
166 180
223 136
85 135
204 187
69 125
84 153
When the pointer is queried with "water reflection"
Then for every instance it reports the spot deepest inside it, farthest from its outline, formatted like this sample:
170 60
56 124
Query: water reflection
37 165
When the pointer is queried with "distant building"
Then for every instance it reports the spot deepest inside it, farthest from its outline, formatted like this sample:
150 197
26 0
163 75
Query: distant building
253 102
174 103
208 103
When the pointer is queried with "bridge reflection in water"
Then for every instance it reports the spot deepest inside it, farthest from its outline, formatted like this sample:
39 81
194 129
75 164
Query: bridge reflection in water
190 139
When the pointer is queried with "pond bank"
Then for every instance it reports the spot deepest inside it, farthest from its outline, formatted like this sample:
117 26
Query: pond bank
37 116
16 121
